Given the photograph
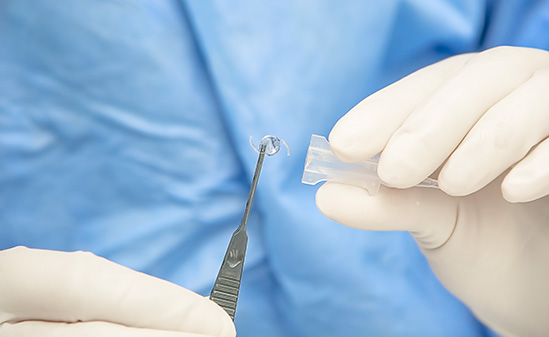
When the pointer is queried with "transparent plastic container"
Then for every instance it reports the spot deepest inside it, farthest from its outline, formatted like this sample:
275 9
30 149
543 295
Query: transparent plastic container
322 165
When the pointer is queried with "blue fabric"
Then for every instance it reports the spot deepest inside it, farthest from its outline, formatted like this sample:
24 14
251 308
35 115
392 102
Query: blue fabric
124 130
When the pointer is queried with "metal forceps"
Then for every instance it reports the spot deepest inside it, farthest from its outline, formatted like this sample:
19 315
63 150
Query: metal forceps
227 285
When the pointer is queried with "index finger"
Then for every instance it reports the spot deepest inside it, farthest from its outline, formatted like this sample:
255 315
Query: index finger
365 129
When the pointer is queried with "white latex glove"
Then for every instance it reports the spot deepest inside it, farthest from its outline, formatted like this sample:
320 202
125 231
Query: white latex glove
476 115
48 293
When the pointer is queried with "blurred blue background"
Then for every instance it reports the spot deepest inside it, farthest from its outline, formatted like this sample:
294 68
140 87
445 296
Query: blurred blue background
124 130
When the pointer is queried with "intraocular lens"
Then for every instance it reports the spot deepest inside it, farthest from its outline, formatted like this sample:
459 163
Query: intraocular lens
271 143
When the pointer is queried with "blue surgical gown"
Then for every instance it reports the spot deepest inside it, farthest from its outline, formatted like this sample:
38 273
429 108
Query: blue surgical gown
125 125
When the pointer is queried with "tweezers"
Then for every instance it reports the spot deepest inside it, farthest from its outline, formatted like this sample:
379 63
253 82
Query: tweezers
227 284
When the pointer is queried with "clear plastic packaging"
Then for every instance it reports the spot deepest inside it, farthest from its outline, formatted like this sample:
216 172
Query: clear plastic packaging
322 165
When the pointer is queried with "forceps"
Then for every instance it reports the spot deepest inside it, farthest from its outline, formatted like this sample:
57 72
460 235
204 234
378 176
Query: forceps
227 284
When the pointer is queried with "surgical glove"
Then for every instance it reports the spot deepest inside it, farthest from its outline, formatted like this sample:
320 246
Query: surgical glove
483 119
49 293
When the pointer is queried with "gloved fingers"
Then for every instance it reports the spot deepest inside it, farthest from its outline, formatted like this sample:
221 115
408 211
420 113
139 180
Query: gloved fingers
83 329
429 214
434 130
502 137
365 129
529 179
71 287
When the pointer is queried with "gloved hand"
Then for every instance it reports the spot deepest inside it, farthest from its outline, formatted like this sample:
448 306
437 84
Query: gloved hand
475 116
49 293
